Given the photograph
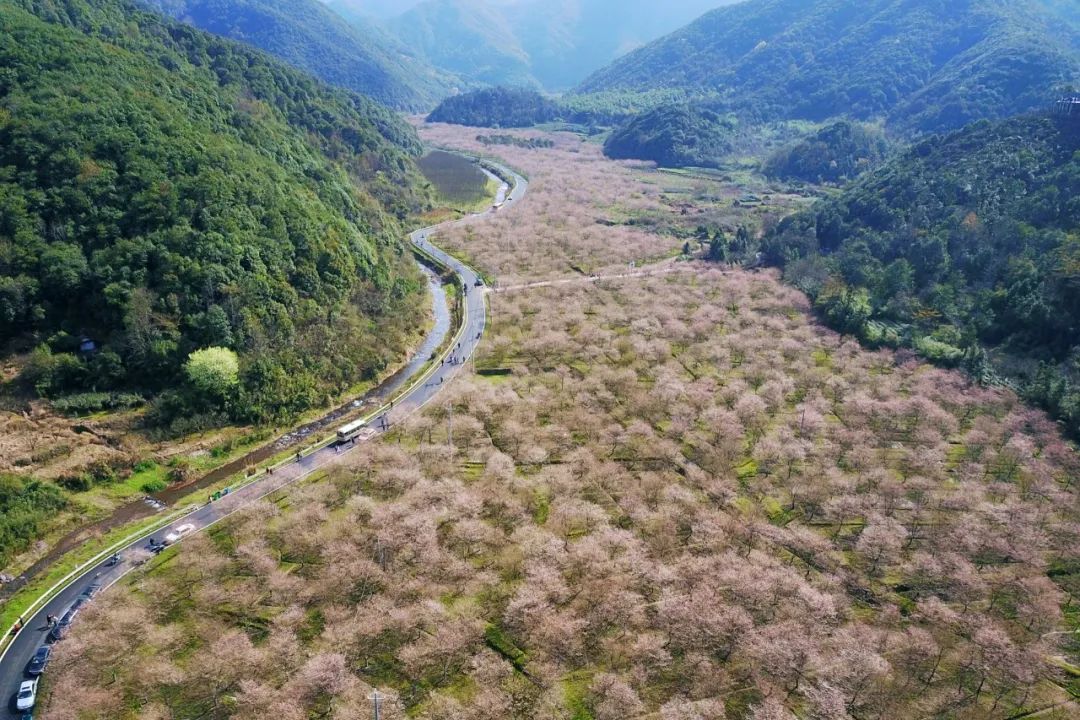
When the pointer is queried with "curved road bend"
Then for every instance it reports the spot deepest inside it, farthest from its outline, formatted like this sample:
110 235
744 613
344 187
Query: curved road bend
14 660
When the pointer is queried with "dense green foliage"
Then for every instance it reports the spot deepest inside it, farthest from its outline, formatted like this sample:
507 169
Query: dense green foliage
923 65
836 153
609 109
674 136
25 507
965 242
499 107
311 37
528 143
163 190
215 373
523 107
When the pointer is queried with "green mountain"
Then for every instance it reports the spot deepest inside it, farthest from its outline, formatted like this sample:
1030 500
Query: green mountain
963 244
310 36
674 136
163 190
923 65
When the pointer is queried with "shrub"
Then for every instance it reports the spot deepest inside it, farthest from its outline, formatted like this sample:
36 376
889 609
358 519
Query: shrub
214 372
154 485
87 403
25 507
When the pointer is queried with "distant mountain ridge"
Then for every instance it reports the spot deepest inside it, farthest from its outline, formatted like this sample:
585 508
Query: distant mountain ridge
924 65
551 44
310 36
469 37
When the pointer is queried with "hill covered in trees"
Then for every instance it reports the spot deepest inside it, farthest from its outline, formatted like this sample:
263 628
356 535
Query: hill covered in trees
163 190
673 136
498 107
838 152
965 242
923 66
310 36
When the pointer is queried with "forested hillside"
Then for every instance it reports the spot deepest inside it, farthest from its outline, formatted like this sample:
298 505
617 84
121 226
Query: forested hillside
163 191
964 242
498 107
312 37
924 66
838 152
674 136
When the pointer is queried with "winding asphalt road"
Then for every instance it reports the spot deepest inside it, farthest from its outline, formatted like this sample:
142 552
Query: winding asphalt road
416 396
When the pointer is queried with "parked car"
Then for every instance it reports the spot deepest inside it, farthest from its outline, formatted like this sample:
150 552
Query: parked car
91 591
39 662
64 625
27 695
181 531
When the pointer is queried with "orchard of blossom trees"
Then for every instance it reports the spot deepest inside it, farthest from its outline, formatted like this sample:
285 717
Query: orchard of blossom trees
575 219
669 498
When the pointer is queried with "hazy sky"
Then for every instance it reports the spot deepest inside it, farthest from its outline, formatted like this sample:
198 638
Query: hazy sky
390 8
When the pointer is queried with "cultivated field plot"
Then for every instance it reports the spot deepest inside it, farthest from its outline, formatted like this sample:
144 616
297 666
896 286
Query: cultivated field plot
457 179
670 497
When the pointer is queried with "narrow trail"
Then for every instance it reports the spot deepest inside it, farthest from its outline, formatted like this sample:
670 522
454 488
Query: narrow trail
664 267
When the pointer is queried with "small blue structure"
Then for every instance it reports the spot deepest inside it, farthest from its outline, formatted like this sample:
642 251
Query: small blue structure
86 345
1068 107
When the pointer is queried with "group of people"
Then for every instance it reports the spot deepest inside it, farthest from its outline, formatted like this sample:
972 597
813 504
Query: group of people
50 619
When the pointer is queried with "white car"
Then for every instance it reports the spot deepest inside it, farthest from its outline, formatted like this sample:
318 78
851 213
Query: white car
178 533
27 695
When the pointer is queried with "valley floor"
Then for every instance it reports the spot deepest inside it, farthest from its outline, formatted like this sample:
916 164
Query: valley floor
671 496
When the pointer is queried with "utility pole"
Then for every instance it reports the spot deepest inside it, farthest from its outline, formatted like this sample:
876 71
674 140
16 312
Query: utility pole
375 699
450 427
